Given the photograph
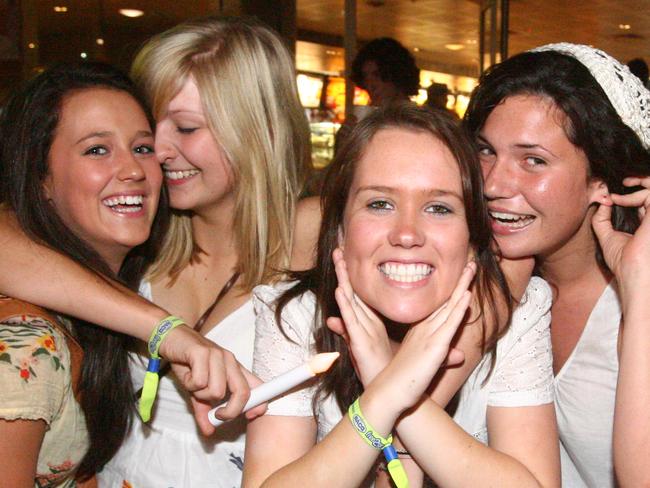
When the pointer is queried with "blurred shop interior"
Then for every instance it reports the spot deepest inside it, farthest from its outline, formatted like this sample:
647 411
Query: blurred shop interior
451 40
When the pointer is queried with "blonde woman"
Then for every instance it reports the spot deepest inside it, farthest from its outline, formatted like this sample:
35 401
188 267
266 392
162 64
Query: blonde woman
233 142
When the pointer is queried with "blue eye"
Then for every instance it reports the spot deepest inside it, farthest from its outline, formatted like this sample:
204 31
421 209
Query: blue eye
380 205
96 151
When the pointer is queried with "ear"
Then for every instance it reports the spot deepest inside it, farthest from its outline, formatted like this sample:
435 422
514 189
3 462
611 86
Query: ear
340 239
48 187
598 191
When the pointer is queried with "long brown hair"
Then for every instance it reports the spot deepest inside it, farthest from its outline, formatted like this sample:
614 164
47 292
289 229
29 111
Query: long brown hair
27 129
490 285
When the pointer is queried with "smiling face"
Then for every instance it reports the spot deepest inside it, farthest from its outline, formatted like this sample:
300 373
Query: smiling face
197 173
405 237
104 179
536 180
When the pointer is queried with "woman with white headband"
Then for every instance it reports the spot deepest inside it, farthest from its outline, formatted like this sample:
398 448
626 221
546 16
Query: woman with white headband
563 134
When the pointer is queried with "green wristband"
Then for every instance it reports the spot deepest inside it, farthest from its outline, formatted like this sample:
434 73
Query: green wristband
365 430
373 439
150 385
164 327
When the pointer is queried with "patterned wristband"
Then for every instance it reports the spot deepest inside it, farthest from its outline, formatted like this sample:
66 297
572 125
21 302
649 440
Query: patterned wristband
150 385
365 430
164 327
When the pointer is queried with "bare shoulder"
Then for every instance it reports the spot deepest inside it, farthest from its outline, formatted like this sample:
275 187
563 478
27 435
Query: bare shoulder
308 218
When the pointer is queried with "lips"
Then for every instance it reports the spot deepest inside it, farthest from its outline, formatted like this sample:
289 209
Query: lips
180 175
124 204
510 221
405 272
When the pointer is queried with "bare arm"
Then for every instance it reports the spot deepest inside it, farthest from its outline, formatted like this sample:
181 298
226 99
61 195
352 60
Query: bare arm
20 443
206 370
628 256
78 293
308 218
523 450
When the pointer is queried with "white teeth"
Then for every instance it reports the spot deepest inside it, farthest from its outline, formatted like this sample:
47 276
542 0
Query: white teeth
406 273
179 175
512 220
134 202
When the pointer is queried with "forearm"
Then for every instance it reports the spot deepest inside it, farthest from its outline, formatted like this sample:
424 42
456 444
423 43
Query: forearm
42 276
453 458
342 458
631 419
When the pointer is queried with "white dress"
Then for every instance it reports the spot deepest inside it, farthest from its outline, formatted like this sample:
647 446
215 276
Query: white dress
585 394
523 374
169 451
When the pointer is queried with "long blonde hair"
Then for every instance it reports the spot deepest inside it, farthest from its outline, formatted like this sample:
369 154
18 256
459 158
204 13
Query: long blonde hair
247 84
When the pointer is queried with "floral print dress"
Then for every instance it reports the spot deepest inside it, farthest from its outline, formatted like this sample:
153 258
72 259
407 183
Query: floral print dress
36 384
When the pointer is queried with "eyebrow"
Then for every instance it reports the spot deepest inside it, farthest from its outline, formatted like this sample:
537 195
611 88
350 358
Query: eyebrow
184 110
522 145
437 192
107 133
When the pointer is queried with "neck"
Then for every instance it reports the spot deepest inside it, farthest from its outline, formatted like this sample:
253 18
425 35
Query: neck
214 233
575 262
114 260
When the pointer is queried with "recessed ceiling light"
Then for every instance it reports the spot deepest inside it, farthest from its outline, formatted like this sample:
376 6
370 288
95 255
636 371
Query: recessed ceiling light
455 47
31 45
624 26
131 12
83 55
60 8
99 41
416 49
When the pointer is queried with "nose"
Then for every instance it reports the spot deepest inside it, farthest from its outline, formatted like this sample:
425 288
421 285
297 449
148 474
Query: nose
499 179
130 168
162 144
406 231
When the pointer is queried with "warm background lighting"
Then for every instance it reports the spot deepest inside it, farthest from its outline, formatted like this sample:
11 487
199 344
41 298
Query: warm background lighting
131 12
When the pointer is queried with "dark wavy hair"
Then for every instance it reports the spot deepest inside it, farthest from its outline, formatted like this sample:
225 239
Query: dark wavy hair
27 127
613 149
395 63
490 287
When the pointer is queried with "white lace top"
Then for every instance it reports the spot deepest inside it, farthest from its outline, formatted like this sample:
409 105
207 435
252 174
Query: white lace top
523 374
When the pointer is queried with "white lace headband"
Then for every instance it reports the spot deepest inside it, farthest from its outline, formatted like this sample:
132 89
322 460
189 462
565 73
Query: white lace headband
630 98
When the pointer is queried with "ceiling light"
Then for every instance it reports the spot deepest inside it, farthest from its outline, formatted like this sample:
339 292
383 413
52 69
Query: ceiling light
131 12
454 47
416 49
60 8
99 41
31 45
624 26
83 55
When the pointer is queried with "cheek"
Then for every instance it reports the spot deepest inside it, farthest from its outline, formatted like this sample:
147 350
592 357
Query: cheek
361 238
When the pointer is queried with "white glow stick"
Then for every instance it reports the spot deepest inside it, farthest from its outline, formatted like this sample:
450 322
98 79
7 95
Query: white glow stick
283 383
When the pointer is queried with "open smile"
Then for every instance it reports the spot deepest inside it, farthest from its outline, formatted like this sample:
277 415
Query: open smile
180 175
124 204
405 272
512 221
